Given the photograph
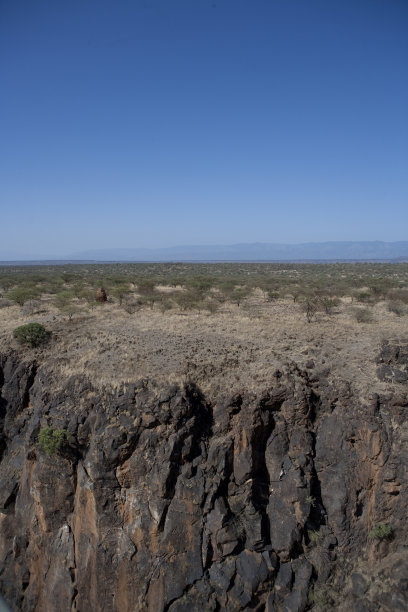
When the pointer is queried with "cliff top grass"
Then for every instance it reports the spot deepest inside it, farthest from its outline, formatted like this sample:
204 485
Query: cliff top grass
227 327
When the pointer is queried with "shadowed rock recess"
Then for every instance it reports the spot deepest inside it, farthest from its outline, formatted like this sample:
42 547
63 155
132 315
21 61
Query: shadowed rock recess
164 502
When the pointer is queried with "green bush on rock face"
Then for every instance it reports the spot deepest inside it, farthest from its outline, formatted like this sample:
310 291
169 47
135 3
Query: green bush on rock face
315 537
381 532
51 440
32 334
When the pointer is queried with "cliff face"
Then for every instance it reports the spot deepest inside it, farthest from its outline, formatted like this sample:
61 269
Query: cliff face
163 502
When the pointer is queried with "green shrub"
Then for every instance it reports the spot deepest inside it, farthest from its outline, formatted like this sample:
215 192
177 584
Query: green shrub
381 532
165 304
364 296
272 295
201 283
32 334
86 294
51 440
238 294
64 301
312 501
328 303
146 286
187 300
120 292
315 537
20 295
62 298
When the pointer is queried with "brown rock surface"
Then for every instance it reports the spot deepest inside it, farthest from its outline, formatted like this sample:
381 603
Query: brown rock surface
165 501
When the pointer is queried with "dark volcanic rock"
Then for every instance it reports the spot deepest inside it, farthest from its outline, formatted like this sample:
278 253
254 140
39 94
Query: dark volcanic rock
393 363
161 502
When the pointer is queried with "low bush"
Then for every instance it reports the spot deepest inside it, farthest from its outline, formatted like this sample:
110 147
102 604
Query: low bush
120 292
328 303
187 300
131 305
146 286
364 296
311 500
397 308
363 315
32 334
315 537
165 305
239 294
272 295
211 305
381 532
52 440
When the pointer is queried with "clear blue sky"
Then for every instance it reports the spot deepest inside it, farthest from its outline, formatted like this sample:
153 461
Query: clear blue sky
137 123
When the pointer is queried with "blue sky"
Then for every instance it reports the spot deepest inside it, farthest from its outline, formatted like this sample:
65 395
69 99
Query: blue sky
148 123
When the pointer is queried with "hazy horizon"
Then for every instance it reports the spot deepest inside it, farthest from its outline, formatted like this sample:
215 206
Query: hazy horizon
312 251
154 123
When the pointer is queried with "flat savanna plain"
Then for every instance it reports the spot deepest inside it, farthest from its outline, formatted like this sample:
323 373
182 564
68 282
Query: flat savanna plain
226 327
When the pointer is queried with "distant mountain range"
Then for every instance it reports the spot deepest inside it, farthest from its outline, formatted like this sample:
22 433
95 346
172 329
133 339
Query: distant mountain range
258 251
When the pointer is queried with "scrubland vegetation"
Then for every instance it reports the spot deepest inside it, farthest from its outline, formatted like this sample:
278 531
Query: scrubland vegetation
72 289
223 326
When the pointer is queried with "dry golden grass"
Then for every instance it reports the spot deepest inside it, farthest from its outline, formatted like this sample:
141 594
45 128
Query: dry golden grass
235 348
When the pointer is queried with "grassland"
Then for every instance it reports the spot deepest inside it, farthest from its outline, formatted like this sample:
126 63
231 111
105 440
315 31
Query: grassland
226 326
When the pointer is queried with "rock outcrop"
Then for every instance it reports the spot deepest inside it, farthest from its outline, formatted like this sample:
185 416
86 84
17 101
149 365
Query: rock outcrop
393 363
163 502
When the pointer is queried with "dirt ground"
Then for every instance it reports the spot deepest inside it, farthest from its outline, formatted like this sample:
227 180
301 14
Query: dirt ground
233 349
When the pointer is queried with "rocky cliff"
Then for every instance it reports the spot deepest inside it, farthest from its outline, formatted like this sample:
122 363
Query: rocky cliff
163 501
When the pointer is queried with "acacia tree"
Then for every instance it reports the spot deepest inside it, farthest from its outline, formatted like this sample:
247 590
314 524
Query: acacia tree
328 303
63 301
20 295
238 294
120 291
